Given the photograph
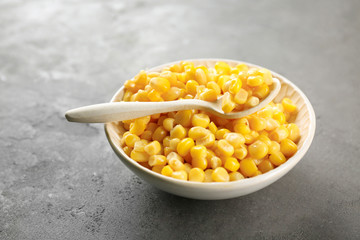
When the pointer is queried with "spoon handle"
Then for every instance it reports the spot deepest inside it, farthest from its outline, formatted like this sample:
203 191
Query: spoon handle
119 111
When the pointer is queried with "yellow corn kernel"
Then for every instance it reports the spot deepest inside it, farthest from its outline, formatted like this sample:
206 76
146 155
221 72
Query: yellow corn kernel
274 147
212 127
131 86
279 116
288 147
178 132
294 132
167 171
166 141
141 96
257 123
266 74
234 70
154 96
288 105
176 164
173 143
265 139
248 167
265 166
215 162
199 163
252 102
184 146
196 175
200 76
277 158
210 154
175 68
169 76
207 141
183 118
235 139
172 94
220 133
251 137
131 139
241 96
127 95
257 173
231 164
258 150
255 81
222 80
200 120
187 167
168 124
235 86
242 128
181 175
153 74
151 127
127 150
174 155
227 104
235 176
157 160
222 68
265 113
241 152
214 86
153 148
208 175
225 148
271 124
190 71
188 96
220 175
208 95
159 134
139 156
137 127
160 84
279 134
198 152
198 132
147 135
157 169
261 91
191 86
242 67
140 145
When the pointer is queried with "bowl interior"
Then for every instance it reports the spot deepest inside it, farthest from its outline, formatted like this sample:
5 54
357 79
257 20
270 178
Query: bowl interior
305 120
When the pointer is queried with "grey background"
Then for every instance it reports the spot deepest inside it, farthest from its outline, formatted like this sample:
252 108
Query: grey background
61 180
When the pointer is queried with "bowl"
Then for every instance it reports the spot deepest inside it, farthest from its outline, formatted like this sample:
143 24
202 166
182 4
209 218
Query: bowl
215 190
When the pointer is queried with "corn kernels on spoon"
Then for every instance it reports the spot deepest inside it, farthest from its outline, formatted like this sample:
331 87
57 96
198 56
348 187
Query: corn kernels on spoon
120 111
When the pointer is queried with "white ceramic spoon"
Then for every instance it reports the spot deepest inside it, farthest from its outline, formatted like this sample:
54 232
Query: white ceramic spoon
119 111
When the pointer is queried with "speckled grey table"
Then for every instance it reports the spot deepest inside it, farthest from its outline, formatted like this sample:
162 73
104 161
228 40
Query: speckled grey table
61 180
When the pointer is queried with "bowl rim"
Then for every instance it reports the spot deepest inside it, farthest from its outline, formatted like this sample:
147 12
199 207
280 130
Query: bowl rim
244 183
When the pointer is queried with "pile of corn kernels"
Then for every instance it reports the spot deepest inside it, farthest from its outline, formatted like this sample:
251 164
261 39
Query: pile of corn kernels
197 146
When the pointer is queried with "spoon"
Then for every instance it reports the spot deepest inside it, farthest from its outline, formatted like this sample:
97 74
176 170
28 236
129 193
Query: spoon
120 111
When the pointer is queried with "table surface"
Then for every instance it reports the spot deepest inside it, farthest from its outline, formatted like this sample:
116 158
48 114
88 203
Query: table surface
61 180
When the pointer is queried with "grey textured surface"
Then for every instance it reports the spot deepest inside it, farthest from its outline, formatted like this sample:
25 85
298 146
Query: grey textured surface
61 180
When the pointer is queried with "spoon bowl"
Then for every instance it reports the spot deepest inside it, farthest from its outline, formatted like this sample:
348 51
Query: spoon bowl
213 191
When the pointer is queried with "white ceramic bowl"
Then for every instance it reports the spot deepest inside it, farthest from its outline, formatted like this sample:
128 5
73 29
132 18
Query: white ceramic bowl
213 191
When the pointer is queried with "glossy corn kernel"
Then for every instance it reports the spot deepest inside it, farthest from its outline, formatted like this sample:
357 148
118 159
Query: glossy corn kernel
231 164
196 175
200 76
248 167
181 175
265 166
172 94
208 175
225 148
131 139
252 102
127 150
178 132
254 81
157 160
288 105
174 155
167 171
279 116
160 84
277 158
265 139
157 169
147 135
271 124
153 148
235 86
215 162
207 141
198 152
235 139
199 163
220 175
261 91
279 134
235 176
220 133
137 127
170 76
168 124
257 123
242 67
200 120
227 103
140 145
173 143
191 86
214 86
198 132
176 164
184 146
241 96
288 147
209 95
274 147
175 68
139 156
294 132
241 152
222 68
251 137
212 127
183 118
258 149
187 167
159 134
155 96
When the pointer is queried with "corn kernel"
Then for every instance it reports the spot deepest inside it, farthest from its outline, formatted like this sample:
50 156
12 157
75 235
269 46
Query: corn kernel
258 150
178 132
288 147
199 163
198 132
241 96
294 132
222 80
170 76
183 118
140 145
279 134
198 152
175 68
127 150
288 105
277 158
222 68
242 67
137 127
168 124
227 104
252 102
167 171
190 87
220 175
131 139
176 164
184 146
139 156
248 167
207 141
172 94
153 148
274 147
155 96
265 166
157 169
208 175
173 143
231 164
235 86
235 139
265 139
214 86
241 152
271 124
251 137
220 133
201 120
187 167
279 116
196 175
200 76
157 160
160 84
174 155
215 162
261 91
151 127
181 175
225 148
235 176
147 135
208 95
255 81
